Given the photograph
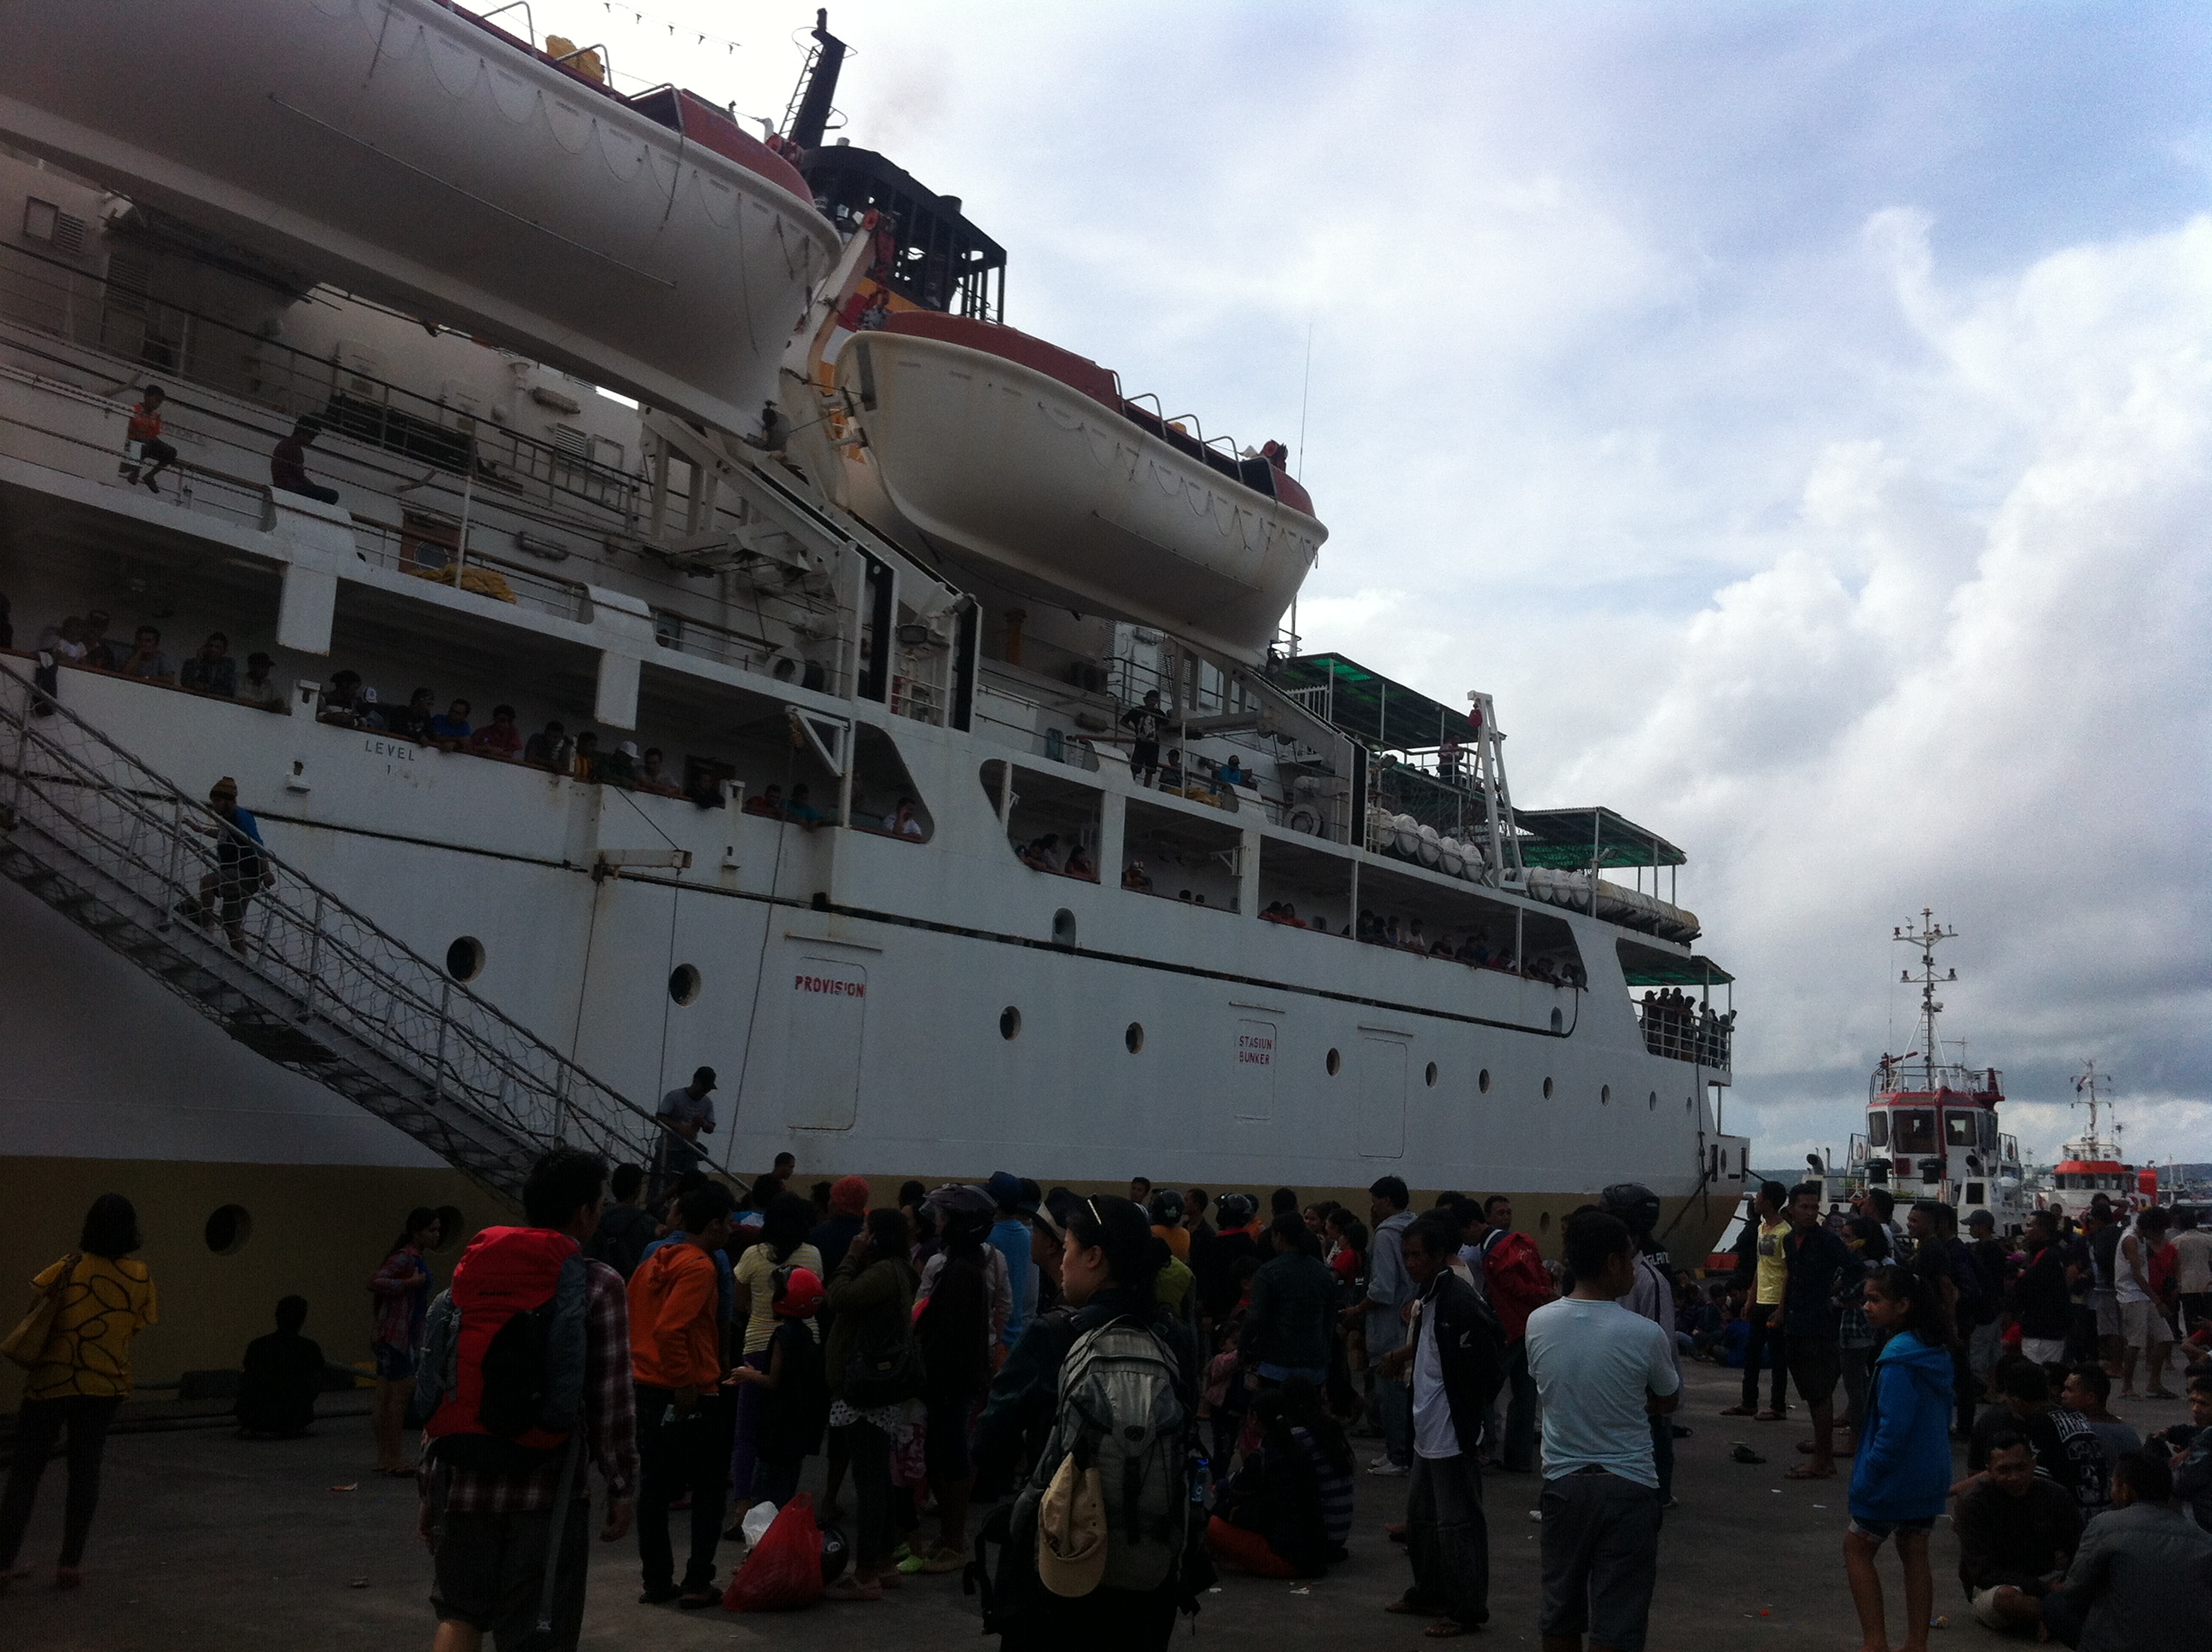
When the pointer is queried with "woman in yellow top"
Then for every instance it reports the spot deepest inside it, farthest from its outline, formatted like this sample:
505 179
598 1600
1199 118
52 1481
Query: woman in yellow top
80 1377
783 1242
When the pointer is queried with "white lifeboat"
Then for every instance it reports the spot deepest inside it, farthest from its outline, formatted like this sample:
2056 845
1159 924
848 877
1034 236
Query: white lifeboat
1428 847
1453 865
408 151
985 441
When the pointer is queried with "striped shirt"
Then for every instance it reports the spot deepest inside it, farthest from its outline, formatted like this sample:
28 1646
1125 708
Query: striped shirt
1336 1488
609 1421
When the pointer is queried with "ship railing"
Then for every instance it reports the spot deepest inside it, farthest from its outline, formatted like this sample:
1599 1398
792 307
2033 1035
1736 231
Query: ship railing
122 337
1685 1035
429 556
314 984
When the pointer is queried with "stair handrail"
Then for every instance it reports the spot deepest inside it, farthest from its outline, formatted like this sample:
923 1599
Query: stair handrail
504 1049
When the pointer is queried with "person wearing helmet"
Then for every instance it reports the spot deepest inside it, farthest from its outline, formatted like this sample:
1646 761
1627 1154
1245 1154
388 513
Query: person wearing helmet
1651 1295
795 1397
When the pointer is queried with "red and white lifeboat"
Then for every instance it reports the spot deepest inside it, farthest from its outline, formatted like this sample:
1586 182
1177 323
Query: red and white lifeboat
993 444
411 151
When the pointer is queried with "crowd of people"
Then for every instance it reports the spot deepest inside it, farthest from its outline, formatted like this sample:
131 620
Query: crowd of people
1137 1393
2065 1521
1676 1024
81 641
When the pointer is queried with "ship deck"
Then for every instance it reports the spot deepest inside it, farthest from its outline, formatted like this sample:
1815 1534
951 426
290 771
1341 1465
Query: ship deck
199 1533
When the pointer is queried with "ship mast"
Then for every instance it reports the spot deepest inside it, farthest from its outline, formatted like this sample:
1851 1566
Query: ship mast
2085 1091
1929 935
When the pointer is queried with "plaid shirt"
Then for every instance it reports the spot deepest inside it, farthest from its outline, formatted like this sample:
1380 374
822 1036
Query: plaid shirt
609 1421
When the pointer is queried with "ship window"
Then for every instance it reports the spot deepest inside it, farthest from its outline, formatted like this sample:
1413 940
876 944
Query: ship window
1958 1129
228 1230
1482 1081
1989 1132
1010 1024
1877 1129
1547 1089
1335 1063
683 983
1977 1193
1133 1037
464 958
1915 1129
1431 1075
1605 1095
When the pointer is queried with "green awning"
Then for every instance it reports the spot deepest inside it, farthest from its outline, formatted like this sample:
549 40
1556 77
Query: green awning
1369 706
1647 966
1564 839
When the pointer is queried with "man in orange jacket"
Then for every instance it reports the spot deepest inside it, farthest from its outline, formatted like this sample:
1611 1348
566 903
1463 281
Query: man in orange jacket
683 1416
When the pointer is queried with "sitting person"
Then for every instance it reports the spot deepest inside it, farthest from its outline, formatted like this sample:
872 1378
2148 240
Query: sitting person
413 723
2143 1576
769 802
584 757
905 823
2086 1392
1134 878
282 1375
2017 1533
653 775
287 464
347 703
2191 1456
1267 1519
619 767
1079 865
257 688
211 671
451 731
1232 773
146 661
2066 1447
499 737
802 809
550 749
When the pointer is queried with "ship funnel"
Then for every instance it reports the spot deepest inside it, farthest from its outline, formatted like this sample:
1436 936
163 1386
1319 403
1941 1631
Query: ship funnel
812 120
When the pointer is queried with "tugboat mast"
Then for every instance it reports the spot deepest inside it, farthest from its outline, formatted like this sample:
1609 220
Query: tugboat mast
2085 1092
1929 935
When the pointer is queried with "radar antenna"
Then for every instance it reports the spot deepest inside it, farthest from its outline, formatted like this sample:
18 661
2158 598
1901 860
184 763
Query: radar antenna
2087 1086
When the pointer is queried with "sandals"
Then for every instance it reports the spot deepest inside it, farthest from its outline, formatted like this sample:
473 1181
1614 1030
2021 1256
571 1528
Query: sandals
1770 1417
1445 1629
1807 1471
1740 1411
846 1588
2159 1393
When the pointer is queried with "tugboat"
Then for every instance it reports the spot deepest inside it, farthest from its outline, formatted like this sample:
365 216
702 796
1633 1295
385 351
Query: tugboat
2090 1165
1931 1124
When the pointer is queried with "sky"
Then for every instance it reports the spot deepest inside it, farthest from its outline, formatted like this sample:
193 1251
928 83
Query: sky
1800 418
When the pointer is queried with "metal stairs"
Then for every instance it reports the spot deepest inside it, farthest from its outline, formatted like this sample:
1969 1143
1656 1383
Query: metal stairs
109 843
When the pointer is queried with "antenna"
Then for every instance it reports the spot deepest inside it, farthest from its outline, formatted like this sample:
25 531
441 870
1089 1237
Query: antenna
1305 395
1928 936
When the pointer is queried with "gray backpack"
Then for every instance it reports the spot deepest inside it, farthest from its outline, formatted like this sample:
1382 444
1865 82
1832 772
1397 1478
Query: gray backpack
1121 1414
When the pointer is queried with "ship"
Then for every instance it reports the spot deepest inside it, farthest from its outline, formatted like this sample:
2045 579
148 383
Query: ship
2092 1164
1932 1130
958 796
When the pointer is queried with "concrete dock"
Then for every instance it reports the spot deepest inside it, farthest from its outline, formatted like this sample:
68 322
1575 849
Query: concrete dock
205 1540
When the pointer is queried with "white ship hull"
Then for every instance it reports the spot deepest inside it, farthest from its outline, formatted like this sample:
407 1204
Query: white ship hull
1060 496
401 149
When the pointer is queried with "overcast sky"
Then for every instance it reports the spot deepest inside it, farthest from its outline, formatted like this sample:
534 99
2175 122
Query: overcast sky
1800 418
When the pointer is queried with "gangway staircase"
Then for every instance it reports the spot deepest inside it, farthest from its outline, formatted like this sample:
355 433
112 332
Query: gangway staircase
112 845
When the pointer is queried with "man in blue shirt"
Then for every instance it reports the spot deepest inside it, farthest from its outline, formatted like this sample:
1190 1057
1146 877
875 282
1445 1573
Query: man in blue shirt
1603 1373
1010 1236
238 868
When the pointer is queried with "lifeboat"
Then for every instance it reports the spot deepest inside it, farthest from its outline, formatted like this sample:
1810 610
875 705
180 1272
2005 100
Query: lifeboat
1632 908
410 151
996 447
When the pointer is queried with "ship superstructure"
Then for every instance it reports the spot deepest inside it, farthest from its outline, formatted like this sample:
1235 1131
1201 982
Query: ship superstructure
956 796
2091 1163
1932 1127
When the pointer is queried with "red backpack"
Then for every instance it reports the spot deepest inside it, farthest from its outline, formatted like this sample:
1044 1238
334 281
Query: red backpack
502 1371
1518 1281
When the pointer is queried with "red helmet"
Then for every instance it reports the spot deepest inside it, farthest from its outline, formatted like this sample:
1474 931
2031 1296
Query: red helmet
798 1293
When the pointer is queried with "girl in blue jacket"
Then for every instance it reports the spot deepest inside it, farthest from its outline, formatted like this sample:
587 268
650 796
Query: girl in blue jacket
1902 1474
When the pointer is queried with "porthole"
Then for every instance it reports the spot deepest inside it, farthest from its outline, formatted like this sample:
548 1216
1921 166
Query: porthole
1559 1020
1133 1038
1335 1064
1689 1104
683 983
1010 1024
1654 1106
452 1228
1605 1095
1431 1075
1063 928
1544 1222
1547 1089
464 958
1482 1081
229 1227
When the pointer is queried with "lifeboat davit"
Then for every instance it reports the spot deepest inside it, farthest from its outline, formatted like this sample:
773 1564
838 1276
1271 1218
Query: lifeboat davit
989 442
410 151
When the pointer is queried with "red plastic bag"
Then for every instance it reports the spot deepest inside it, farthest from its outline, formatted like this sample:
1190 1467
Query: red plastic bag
784 1570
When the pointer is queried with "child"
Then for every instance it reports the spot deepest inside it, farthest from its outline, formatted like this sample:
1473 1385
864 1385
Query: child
797 1406
1902 1477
